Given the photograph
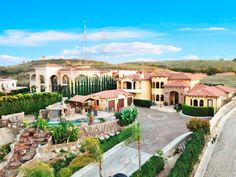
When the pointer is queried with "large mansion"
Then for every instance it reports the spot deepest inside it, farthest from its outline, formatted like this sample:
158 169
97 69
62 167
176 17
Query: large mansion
162 88
170 88
48 77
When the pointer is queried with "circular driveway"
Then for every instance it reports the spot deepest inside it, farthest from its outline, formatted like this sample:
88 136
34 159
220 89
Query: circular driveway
159 128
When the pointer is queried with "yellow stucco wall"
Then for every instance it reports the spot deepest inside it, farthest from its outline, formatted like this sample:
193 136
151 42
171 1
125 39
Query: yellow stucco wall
145 90
217 102
158 91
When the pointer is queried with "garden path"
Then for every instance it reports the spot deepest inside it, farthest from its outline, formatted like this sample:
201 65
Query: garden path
120 159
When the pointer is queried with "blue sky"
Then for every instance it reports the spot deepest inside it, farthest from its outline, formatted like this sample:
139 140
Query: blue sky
117 31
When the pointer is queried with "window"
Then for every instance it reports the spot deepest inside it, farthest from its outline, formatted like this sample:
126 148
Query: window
157 84
157 97
153 84
201 103
162 97
195 103
210 103
162 84
191 102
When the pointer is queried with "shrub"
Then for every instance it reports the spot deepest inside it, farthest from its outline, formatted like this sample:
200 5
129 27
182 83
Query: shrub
64 132
196 124
37 169
142 103
128 115
79 162
22 90
114 140
4 150
28 103
193 148
197 111
61 163
150 168
65 172
118 115
41 123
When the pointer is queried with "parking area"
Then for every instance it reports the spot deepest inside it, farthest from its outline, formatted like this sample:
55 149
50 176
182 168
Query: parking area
159 128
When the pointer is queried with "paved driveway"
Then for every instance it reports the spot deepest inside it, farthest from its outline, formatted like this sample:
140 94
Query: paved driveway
159 128
223 160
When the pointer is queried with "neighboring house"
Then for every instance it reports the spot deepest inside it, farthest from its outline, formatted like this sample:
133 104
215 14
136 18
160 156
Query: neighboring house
110 100
48 77
171 88
7 85
209 96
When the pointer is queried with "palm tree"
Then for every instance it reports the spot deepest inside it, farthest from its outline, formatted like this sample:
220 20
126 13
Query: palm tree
93 147
136 136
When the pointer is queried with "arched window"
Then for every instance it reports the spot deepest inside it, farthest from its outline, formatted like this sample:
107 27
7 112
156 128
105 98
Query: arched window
201 103
195 102
162 84
191 102
65 79
153 84
162 97
157 85
157 97
42 79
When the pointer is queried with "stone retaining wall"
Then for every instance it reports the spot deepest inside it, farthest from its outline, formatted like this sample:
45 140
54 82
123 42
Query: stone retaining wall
49 147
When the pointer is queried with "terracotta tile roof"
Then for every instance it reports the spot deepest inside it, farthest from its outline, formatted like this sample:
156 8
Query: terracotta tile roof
79 98
176 83
226 89
202 90
107 94
144 76
110 94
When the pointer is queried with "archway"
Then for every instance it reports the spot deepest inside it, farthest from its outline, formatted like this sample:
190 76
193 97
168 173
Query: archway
54 83
174 98
127 85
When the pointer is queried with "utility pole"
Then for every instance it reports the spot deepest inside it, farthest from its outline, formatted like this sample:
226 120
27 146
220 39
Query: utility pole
85 41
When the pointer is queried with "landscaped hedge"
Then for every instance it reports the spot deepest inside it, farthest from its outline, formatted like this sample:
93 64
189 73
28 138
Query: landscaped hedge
197 111
193 148
28 103
151 167
114 140
22 90
142 103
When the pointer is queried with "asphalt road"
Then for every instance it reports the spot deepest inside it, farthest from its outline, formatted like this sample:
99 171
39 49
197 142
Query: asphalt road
223 160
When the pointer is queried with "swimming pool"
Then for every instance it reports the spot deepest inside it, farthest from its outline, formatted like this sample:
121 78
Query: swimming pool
75 122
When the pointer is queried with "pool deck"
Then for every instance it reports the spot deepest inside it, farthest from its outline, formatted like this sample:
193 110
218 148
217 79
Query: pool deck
101 114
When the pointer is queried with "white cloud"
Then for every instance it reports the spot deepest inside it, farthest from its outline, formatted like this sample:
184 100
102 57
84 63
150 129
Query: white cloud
204 29
125 49
9 60
27 38
191 57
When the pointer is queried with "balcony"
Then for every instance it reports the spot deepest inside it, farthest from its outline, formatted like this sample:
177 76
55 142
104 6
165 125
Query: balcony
133 90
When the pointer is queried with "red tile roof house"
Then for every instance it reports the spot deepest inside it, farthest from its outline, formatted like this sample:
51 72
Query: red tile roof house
109 100
170 88
209 96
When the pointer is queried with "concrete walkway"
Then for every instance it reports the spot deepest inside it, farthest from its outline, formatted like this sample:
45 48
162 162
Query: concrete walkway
120 159
223 160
